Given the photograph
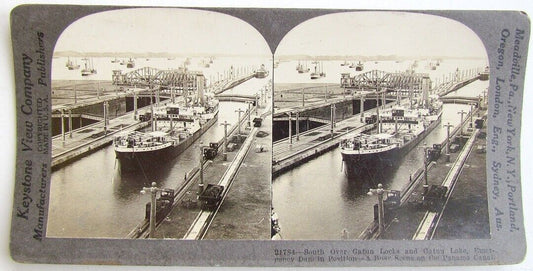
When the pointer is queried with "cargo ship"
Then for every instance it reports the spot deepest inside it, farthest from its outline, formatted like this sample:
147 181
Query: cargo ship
398 130
174 128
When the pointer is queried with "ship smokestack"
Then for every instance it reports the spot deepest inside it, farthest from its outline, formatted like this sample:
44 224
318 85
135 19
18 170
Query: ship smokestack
426 85
200 87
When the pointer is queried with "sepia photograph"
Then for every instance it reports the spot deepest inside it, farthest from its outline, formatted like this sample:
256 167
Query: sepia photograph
265 136
160 124
379 129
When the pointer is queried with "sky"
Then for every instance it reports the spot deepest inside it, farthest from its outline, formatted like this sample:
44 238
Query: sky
381 33
182 31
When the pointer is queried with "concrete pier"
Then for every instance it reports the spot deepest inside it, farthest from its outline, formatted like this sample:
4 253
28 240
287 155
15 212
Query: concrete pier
90 138
244 212
464 213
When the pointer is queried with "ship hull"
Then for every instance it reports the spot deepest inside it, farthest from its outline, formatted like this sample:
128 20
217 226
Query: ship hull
361 165
150 160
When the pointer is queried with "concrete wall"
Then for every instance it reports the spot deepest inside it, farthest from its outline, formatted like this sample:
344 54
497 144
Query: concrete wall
280 128
77 122
116 108
343 110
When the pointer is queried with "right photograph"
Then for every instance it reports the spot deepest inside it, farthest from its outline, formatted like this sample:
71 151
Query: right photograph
379 129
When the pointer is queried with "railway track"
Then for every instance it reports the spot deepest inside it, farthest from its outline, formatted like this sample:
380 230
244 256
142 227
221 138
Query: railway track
428 225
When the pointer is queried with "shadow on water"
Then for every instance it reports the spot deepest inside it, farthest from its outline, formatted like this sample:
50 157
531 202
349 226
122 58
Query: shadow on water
368 178
129 183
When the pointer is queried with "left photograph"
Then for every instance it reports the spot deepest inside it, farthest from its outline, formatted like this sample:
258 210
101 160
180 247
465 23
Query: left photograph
161 127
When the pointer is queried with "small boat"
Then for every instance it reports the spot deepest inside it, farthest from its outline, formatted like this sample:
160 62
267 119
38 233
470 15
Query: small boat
131 63
71 65
318 73
88 68
359 66
302 68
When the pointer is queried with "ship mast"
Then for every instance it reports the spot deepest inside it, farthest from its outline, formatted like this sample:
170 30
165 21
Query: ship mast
377 112
152 110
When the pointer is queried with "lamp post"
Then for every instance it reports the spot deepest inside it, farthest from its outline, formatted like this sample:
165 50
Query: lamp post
381 212
106 113
153 193
462 112
448 126
63 124
472 115
290 128
224 150
426 148
248 114
70 123
239 122
297 126
332 120
202 158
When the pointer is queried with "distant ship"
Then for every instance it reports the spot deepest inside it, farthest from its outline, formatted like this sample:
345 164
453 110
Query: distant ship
345 63
71 65
359 66
131 63
399 129
88 68
175 127
302 69
318 73
115 60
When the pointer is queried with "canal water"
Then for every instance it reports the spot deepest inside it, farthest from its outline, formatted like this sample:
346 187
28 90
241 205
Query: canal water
316 201
89 198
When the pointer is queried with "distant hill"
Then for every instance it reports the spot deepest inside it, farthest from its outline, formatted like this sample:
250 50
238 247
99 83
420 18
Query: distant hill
144 54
